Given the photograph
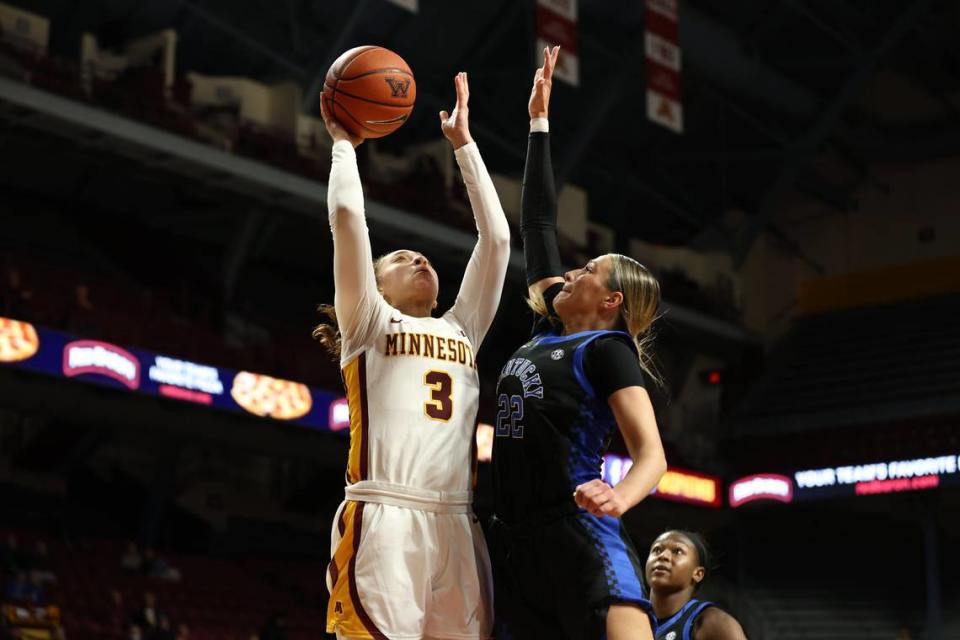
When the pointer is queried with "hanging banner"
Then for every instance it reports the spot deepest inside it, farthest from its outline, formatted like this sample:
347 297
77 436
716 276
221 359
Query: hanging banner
557 25
663 64
409 5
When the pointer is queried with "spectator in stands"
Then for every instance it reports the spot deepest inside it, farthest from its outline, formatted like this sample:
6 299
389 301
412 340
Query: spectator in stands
132 561
23 589
164 630
16 297
8 555
147 618
274 629
41 569
117 617
676 566
157 566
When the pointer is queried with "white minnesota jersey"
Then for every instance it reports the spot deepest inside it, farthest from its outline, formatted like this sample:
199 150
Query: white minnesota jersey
408 559
413 390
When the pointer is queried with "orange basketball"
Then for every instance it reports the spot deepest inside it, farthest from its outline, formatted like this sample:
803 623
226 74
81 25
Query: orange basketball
370 91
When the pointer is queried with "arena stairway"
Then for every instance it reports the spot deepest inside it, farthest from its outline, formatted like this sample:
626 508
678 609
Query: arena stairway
814 613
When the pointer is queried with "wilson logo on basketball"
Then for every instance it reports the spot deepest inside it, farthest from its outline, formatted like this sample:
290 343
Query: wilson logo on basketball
398 87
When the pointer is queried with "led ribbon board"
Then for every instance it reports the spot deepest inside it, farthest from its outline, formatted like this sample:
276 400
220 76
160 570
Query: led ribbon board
896 476
762 486
878 478
24 346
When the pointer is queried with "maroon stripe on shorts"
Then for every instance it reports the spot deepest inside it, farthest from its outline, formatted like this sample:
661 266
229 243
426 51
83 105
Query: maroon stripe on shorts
354 594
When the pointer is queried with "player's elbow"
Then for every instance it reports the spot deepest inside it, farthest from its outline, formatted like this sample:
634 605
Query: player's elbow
660 464
655 459
500 237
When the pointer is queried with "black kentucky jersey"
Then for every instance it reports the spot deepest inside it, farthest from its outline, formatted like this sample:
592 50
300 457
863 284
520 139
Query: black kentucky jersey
552 429
680 626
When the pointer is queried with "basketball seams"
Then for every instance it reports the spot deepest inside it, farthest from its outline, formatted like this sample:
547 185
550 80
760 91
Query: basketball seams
361 98
362 50
352 117
369 113
375 71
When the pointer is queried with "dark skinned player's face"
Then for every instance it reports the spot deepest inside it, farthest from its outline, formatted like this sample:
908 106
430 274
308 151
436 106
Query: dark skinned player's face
673 563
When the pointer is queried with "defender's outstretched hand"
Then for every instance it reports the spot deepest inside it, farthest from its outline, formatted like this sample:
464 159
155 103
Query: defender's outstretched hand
539 103
456 125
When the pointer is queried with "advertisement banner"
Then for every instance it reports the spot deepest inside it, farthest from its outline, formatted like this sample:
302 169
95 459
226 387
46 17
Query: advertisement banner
24 346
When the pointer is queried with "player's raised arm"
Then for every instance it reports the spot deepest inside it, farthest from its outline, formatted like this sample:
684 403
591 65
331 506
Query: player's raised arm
479 294
538 223
354 280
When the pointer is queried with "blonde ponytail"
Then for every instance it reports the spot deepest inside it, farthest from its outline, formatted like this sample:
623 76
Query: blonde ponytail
641 300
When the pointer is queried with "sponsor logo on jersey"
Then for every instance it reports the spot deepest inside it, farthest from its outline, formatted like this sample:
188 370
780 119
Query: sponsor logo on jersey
556 354
671 636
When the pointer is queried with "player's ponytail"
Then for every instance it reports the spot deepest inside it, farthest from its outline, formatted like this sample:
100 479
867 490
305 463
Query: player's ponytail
328 333
641 299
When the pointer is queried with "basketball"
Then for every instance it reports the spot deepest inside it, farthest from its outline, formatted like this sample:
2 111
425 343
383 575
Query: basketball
370 91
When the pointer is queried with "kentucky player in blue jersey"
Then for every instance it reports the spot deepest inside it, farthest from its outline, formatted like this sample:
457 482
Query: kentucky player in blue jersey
564 565
676 567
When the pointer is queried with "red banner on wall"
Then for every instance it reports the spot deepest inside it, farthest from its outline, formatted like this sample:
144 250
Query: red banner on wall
663 64
557 25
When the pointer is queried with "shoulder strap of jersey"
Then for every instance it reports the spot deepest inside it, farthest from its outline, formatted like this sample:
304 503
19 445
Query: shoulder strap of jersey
688 625
665 625
580 350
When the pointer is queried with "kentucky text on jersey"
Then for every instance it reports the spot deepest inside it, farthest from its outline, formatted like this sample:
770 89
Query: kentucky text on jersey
526 372
426 345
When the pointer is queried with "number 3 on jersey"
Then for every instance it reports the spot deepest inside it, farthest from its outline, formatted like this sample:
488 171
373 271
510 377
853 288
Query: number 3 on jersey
440 405
509 416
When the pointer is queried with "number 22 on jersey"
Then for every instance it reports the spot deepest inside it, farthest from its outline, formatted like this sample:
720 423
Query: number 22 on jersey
509 416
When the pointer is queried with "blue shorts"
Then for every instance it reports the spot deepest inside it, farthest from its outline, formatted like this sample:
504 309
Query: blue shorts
556 577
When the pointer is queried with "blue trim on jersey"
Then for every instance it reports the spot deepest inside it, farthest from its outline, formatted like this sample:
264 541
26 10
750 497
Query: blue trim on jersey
588 434
669 622
622 579
581 350
553 338
689 623
593 426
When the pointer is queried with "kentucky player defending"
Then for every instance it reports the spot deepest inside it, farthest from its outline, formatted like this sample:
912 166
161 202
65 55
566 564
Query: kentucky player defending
564 565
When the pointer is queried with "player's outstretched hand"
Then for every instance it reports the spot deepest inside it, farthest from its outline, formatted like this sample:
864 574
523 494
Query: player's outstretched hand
456 125
335 129
539 103
600 499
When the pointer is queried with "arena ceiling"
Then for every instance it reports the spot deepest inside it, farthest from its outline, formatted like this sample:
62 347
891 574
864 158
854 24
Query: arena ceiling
782 98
